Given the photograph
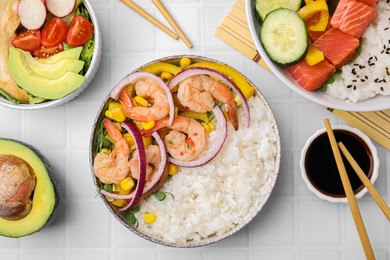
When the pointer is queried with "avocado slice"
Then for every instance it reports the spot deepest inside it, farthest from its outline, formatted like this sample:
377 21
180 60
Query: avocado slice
52 70
45 197
40 86
72 54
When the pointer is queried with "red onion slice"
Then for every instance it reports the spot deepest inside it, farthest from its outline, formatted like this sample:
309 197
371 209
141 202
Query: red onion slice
214 150
135 133
214 73
156 178
133 78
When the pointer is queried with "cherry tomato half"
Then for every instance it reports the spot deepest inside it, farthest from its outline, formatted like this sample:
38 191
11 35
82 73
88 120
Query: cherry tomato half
54 32
79 31
44 52
29 40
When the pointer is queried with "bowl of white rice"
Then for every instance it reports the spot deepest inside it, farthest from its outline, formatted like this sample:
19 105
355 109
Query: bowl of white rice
205 204
362 85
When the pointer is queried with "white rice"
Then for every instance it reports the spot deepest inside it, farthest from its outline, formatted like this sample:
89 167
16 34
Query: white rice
227 192
369 74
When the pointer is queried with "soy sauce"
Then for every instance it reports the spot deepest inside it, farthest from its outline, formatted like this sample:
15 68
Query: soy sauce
321 167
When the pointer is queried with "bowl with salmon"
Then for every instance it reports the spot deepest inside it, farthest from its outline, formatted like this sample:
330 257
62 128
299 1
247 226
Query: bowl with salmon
184 151
322 52
49 52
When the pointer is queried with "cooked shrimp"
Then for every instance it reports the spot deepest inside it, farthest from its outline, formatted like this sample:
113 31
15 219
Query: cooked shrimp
113 167
151 90
197 93
187 139
153 157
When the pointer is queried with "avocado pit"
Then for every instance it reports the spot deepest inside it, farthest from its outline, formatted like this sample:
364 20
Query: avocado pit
17 183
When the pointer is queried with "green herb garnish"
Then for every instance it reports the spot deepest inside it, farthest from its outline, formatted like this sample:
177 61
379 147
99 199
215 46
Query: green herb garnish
130 216
161 195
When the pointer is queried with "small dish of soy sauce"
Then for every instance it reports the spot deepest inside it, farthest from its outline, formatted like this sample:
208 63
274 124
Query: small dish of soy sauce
319 169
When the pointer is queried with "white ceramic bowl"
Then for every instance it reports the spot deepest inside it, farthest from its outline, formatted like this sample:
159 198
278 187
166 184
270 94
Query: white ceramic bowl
265 190
89 75
324 195
374 104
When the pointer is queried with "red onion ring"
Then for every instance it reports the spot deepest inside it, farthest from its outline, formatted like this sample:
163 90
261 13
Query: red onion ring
214 73
135 133
222 125
133 78
156 178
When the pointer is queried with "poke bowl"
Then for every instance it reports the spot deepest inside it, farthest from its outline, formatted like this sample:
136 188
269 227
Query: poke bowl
355 84
193 177
50 57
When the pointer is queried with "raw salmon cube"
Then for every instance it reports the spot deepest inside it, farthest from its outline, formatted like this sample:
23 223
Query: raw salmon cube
353 17
338 47
369 2
311 77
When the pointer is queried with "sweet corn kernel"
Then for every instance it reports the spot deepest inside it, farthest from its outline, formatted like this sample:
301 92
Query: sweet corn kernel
141 101
109 199
206 127
149 218
108 114
185 62
118 203
173 169
238 100
105 150
127 183
129 139
114 105
147 141
148 125
166 75
117 114
115 188
118 126
211 125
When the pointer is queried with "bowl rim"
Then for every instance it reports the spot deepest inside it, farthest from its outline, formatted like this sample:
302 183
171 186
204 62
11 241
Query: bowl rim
370 145
376 103
272 176
95 62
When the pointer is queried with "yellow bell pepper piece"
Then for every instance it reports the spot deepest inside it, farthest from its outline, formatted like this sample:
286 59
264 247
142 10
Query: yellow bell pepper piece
159 67
321 25
129 139
247 89
118 115
314 55
118 203
147 141
310 9
196 115
105 150
206 127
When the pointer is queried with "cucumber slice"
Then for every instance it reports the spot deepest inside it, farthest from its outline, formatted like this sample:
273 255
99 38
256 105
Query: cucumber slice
263 7
284 36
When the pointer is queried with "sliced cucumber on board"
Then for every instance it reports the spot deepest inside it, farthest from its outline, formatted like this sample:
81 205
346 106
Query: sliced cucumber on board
284 36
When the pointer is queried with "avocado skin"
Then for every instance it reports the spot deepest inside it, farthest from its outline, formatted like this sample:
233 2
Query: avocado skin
54 182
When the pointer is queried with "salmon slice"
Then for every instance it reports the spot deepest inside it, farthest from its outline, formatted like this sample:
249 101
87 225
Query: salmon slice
369 2
311 77
313 20
338 47
353 17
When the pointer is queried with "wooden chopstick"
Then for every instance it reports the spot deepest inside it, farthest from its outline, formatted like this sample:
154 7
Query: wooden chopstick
150 18
172 22
365 241
367 183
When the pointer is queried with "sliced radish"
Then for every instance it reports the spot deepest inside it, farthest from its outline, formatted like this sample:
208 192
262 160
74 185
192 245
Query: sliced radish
32 13
60 8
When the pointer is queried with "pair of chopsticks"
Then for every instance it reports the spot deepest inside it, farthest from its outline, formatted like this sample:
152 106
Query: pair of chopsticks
175 35
349 192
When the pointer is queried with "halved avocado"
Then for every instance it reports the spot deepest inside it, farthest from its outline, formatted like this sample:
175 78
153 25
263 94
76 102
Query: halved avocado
73 54
45 197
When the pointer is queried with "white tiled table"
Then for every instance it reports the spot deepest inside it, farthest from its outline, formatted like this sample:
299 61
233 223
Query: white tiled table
294 224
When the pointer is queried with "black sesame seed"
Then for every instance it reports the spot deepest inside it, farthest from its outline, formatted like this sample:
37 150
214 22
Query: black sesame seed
387 28
362 80
376 80
354 87
382 89
354 80
366 77
349 86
